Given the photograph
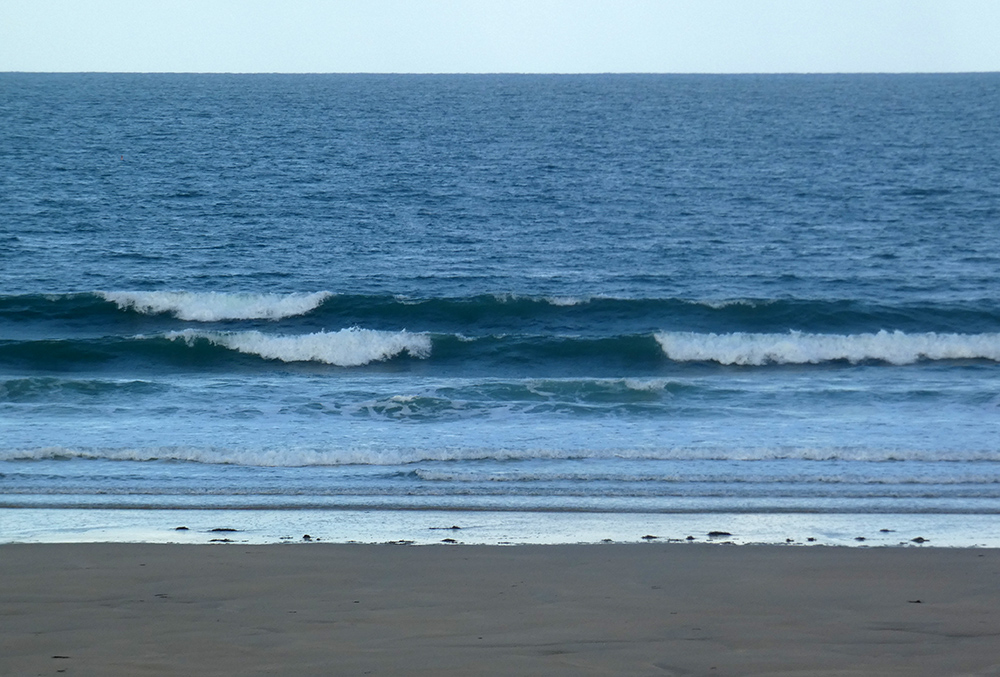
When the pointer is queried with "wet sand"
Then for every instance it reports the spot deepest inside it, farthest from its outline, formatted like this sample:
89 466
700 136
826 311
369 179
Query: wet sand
637 609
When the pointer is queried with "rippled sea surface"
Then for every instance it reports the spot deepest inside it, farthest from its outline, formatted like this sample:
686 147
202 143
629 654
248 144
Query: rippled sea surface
674 295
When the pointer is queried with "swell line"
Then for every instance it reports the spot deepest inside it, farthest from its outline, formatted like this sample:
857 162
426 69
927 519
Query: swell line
496 313
629 354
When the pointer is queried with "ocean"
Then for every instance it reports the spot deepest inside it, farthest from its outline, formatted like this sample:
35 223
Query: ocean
539 308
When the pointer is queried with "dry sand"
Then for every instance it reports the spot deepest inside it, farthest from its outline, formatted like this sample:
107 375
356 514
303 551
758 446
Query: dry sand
643 609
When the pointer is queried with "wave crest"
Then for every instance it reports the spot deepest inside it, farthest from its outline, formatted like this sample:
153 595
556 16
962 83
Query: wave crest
216 306
801 348
352 347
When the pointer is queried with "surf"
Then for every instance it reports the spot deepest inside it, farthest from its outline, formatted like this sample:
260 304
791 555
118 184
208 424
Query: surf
352 347
217 306
891 347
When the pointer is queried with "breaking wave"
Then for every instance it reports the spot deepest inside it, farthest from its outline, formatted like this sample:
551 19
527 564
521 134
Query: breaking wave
105 312
345 348
216 306
895 347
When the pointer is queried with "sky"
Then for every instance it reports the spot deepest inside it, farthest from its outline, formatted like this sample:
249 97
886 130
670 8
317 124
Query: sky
508 36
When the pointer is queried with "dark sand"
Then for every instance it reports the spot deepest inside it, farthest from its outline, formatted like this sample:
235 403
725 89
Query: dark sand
643 609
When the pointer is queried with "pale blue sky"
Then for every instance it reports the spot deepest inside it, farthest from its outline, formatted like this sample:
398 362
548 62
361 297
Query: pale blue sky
542 36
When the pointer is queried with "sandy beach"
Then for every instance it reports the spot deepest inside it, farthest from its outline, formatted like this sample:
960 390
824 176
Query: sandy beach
641 609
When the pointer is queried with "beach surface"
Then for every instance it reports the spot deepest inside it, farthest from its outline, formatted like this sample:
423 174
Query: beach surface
636 609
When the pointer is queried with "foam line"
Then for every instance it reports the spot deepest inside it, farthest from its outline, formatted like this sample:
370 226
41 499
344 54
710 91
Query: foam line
293 456
216 306
801 348
345 348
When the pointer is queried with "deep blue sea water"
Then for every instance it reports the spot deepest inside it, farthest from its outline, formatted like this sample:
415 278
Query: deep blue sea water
759 297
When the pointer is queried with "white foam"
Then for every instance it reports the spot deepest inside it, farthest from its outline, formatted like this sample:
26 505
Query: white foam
719 304
345 348
646 385
565 301
216 306
551 300
801 348
299 456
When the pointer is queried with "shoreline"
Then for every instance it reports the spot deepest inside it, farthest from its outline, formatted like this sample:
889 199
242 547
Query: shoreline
151 609
425 527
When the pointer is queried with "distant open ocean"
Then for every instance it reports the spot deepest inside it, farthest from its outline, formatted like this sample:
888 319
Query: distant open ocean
540 308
